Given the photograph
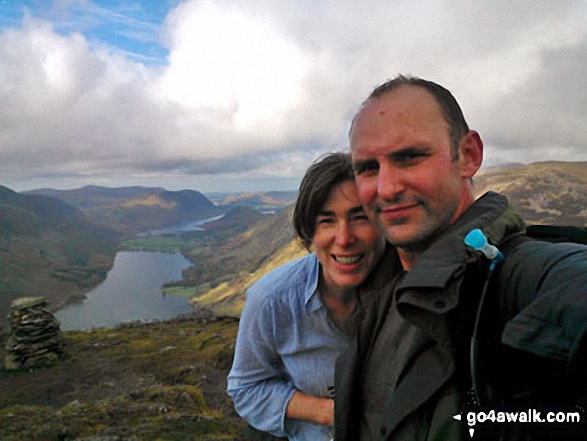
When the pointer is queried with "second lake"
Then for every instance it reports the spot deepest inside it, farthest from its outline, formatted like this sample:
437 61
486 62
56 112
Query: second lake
131 292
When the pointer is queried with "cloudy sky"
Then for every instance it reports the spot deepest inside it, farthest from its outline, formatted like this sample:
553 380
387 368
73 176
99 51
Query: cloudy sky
220 95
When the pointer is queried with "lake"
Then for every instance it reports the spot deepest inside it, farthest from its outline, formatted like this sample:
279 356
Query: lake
131 291
181 228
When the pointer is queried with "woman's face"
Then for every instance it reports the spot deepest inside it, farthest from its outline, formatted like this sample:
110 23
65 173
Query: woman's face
345 242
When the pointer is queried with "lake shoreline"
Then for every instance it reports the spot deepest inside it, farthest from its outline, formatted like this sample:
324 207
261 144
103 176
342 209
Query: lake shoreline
130 292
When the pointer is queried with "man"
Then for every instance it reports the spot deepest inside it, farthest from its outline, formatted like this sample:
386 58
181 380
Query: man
414 158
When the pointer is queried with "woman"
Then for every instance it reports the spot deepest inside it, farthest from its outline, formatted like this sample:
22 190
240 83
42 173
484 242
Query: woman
298 318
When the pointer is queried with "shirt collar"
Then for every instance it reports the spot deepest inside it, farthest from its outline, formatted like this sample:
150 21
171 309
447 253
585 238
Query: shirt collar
311 294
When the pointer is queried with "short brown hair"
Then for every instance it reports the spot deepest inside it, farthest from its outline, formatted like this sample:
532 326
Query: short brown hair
320 179
453 115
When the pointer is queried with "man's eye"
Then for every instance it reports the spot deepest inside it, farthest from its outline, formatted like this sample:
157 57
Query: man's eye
366 167
408 157
324 220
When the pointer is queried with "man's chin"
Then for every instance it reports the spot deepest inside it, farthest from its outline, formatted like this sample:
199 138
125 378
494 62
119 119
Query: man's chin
405 238
398 235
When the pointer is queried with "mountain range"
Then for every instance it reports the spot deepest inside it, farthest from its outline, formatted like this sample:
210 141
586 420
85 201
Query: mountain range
134 210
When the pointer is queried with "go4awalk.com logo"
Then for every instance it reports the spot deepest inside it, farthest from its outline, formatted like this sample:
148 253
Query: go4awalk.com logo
531 419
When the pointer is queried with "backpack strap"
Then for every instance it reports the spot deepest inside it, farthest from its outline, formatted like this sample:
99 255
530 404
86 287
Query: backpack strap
487 329
491 318
557 233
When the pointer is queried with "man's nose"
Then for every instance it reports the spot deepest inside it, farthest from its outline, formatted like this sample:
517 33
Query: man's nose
389 183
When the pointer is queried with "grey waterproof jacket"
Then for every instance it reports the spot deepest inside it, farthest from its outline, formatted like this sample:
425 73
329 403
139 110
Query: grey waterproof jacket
539 313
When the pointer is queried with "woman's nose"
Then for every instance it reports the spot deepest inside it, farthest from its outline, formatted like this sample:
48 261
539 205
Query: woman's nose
344 235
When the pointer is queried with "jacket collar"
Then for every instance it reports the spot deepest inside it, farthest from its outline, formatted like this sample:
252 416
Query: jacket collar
435 267
428 292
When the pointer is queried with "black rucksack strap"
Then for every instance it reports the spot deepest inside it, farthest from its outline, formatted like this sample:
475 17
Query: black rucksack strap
490 317
557 233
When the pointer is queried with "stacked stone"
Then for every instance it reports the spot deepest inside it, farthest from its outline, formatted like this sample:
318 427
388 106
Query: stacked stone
35 338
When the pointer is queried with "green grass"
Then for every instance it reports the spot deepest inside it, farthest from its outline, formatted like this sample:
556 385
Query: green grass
180 291
168 244
156 381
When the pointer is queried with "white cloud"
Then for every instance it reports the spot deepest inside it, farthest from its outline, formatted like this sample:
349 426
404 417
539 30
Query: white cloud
265 86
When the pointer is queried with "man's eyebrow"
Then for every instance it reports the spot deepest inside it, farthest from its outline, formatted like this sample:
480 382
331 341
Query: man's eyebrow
325 213
411 150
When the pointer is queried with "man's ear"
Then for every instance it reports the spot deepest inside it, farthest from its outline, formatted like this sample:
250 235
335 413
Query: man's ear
470 154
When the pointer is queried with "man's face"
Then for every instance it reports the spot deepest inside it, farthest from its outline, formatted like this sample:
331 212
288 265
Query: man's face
406 175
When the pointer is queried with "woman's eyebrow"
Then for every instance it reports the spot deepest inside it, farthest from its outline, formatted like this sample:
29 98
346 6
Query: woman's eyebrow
325 213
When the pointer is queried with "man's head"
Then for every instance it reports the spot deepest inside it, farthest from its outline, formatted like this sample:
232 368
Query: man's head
453 115
413 157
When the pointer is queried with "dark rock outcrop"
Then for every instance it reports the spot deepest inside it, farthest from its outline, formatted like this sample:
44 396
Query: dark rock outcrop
35 337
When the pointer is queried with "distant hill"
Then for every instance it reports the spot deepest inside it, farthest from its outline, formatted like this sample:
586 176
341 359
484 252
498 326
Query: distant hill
269 200
136 209
238 217
49 248
542 192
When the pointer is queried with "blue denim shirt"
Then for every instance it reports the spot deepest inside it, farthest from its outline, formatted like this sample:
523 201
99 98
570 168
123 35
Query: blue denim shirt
286 342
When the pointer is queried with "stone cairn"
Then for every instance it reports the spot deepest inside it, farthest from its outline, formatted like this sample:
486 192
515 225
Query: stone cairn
35 338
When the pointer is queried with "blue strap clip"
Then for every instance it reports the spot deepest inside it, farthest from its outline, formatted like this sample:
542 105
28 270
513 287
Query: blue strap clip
477 240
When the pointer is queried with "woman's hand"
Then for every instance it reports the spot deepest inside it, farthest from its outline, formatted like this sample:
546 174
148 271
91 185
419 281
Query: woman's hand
308 408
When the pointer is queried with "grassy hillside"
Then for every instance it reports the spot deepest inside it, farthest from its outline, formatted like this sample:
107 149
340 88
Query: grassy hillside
543 192
225 261
157 381
49 248
228 298
136 209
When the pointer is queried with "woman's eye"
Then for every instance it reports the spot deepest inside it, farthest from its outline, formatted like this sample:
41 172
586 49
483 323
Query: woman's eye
360 217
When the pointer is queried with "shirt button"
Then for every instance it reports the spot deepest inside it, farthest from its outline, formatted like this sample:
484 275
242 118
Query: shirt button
383 430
